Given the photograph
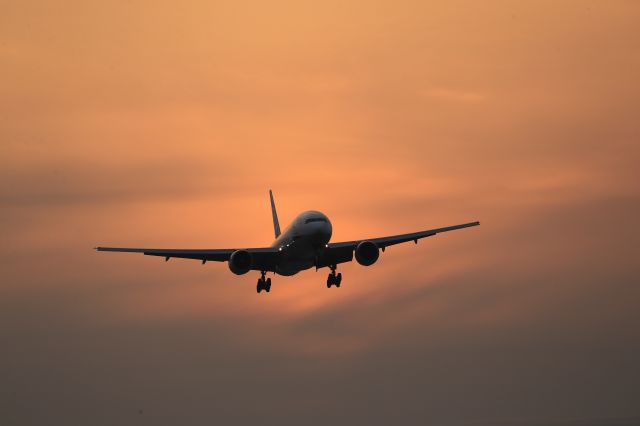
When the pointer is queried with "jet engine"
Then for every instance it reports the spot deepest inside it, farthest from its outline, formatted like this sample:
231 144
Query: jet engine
367 253
240 262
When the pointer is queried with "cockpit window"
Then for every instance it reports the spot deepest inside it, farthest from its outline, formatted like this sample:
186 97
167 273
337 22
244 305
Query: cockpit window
315 219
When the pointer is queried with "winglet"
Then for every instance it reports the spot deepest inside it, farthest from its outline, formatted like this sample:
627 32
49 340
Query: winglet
276 224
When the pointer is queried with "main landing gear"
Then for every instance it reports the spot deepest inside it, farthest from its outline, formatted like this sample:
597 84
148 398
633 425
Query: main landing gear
263 284
334 279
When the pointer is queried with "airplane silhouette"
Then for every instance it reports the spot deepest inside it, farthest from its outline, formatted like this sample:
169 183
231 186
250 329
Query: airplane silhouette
302 245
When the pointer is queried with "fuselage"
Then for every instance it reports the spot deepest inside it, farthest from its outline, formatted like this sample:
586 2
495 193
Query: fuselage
302 241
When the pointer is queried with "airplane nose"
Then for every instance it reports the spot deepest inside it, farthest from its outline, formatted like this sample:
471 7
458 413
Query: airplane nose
321 234
317 233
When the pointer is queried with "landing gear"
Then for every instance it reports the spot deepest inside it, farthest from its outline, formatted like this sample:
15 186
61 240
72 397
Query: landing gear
263 284
334 279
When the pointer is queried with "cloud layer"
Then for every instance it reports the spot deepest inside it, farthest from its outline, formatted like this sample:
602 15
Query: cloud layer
157 125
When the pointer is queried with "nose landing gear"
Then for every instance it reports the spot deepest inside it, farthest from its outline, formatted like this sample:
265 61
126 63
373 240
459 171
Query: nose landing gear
334 279
263 284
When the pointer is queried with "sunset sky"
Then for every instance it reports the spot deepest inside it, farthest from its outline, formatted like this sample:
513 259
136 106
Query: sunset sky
164 124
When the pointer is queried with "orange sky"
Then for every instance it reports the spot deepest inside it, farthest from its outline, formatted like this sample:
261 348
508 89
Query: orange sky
164 124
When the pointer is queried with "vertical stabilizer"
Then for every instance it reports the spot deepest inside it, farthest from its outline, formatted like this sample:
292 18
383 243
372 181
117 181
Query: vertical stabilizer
276 224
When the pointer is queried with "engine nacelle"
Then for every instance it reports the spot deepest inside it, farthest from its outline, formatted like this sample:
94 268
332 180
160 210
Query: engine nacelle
367 253
240 262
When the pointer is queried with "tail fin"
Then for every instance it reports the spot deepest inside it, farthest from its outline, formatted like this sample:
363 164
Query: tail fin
276 224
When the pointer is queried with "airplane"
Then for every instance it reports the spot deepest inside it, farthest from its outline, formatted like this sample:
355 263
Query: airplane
303 245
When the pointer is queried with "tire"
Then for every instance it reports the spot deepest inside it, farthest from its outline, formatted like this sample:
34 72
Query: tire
268 285
259 287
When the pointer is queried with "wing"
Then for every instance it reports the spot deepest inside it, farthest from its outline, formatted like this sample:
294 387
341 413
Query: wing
262 259
343 252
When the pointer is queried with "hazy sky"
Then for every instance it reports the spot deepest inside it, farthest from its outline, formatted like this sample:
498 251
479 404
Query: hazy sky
163 124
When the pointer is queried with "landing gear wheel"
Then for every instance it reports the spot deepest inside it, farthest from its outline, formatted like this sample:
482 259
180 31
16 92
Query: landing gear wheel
334 279
263 284
330 280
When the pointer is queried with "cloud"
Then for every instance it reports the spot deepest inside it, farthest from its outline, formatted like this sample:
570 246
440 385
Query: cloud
165 128
454 95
